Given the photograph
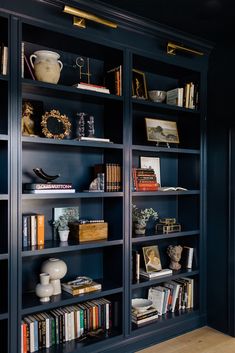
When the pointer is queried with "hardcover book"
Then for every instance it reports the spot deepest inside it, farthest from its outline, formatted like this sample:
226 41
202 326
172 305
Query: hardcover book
81 289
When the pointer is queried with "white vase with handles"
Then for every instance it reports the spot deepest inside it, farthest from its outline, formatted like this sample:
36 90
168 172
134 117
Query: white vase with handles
44 289
47 66
57 269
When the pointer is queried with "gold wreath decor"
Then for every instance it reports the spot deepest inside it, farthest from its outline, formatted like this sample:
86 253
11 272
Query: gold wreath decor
61 118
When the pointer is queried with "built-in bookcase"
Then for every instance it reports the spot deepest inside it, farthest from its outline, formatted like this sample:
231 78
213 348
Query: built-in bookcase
121 119
4 195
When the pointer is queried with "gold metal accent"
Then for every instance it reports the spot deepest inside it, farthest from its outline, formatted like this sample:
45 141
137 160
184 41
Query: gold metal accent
88 16
171 49
62 128
79 22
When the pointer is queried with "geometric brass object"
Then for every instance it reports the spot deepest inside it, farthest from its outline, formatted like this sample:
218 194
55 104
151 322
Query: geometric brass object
80 22
171 49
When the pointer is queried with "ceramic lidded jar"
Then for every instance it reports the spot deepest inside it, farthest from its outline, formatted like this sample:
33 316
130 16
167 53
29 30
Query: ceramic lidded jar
46 65
57 269
44 289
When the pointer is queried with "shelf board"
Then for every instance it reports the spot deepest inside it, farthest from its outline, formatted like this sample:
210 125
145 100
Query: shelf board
55 246
3 77
66 92
141 104
145 282
31 304
77 195
166 320
165 149
73 143
4 137
3 256
164 236
4 316
165 193
4 197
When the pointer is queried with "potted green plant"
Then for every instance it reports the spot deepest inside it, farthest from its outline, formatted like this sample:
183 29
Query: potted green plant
140 217
61 224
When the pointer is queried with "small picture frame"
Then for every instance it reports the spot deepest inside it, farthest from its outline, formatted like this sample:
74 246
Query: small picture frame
71 212
161 131
139 88
152 163
152 258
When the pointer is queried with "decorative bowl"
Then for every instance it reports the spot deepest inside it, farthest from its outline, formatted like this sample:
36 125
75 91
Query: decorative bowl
141 304
157 96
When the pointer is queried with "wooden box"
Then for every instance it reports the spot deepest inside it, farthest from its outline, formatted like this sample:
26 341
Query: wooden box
88 231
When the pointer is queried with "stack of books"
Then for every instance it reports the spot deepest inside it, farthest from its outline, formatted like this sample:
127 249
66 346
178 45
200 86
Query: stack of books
32 230
186 96
155 274
144 179
77 289
144 317
175 97
91 87
48 188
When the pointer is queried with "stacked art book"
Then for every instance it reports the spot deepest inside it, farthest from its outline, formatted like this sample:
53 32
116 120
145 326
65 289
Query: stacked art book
81 285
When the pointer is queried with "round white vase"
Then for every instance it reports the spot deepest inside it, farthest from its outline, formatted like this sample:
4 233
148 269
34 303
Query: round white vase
57 269
44 289
46 66
63 234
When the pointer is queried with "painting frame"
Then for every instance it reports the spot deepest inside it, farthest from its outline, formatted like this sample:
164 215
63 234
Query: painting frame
152 258
155 131
139 87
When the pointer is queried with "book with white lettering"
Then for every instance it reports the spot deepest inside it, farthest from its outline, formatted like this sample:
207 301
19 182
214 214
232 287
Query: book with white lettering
51 191
96 139
164 272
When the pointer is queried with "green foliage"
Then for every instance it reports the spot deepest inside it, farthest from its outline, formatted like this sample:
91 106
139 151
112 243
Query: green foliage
141 216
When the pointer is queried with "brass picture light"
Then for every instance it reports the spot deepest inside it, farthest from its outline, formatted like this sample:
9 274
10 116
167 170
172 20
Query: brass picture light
172 48
80 17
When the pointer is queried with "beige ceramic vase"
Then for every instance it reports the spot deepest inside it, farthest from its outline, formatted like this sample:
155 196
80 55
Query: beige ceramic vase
46 66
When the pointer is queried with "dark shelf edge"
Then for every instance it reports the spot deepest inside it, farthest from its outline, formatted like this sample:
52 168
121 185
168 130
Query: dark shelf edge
3 256
4 137
3 77
4 197
69 248
72 195
70 89
166 193
149 282
69 301
3 316
164 236
164 321
74 143
165 106
165 149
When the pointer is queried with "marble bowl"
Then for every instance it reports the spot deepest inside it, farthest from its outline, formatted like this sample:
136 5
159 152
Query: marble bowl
141 304
157 96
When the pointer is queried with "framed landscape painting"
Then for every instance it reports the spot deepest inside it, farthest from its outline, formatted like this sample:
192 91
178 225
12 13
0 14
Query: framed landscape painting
161 130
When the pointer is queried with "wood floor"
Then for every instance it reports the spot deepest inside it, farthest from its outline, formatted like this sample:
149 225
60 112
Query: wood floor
203 340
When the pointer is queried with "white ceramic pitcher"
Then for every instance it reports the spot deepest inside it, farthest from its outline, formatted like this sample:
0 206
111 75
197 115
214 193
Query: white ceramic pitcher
46 66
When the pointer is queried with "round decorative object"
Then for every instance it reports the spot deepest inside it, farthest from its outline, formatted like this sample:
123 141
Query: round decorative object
46 66
141 304
55 125
157 96
57 269
64 234
44 289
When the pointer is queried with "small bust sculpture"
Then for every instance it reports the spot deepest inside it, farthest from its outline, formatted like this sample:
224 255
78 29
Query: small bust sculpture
27 123
174 253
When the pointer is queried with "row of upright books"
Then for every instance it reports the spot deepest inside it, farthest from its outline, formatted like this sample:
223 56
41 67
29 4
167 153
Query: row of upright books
46 329
112 175
186 96
33 230
144 179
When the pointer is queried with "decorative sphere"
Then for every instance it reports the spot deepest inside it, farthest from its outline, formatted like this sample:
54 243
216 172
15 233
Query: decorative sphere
56 268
